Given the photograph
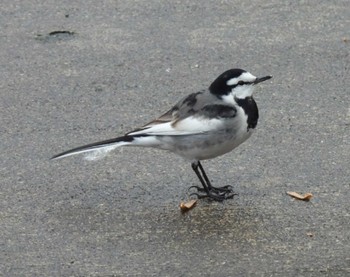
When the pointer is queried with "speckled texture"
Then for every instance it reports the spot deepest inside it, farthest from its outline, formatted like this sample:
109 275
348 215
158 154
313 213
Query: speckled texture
121 64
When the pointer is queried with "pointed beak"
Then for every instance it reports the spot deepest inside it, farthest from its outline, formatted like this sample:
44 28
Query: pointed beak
262 79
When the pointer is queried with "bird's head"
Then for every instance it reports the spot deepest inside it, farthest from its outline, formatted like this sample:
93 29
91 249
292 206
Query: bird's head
236 82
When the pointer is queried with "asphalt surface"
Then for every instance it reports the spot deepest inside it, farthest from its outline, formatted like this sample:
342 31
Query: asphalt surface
78 72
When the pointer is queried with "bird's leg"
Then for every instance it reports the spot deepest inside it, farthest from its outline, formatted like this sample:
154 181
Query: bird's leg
227 188
204 182
214 193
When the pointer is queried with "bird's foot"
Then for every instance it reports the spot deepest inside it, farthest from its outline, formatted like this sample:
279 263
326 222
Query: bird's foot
214 193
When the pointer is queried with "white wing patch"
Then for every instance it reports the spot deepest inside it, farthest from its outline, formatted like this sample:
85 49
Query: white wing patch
195 125
188 126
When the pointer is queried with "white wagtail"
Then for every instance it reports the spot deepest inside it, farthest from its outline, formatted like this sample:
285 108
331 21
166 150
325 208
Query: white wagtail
201 126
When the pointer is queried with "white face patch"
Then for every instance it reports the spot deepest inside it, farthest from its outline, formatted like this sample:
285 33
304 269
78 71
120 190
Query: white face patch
245 77
243 91
240 92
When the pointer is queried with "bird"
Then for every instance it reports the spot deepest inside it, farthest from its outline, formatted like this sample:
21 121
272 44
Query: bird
201 126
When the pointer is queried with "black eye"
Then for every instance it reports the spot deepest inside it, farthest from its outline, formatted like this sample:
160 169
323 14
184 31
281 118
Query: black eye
240 83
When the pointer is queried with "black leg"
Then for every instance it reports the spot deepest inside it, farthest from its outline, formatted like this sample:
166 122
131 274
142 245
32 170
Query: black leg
204 175
214 193
204 182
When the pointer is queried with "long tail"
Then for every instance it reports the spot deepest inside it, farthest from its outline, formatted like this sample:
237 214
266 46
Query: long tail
98 149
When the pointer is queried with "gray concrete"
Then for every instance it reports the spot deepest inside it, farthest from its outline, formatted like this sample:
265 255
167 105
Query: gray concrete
122 64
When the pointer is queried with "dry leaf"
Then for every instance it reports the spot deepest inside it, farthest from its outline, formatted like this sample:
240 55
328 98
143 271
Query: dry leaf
305 197
185 206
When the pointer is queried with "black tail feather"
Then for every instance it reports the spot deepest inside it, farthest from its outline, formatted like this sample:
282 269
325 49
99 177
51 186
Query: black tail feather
95 145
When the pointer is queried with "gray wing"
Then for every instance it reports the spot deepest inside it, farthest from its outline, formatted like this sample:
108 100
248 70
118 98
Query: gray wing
184 108
201 103
198 104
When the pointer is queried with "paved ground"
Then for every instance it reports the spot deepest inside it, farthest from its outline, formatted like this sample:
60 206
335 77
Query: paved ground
74 73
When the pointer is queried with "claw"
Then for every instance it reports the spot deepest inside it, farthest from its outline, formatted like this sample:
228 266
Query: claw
228 187
197 195
215 194
224 189
200 189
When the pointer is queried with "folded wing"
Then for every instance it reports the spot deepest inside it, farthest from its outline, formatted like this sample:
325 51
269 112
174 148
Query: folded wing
190 116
